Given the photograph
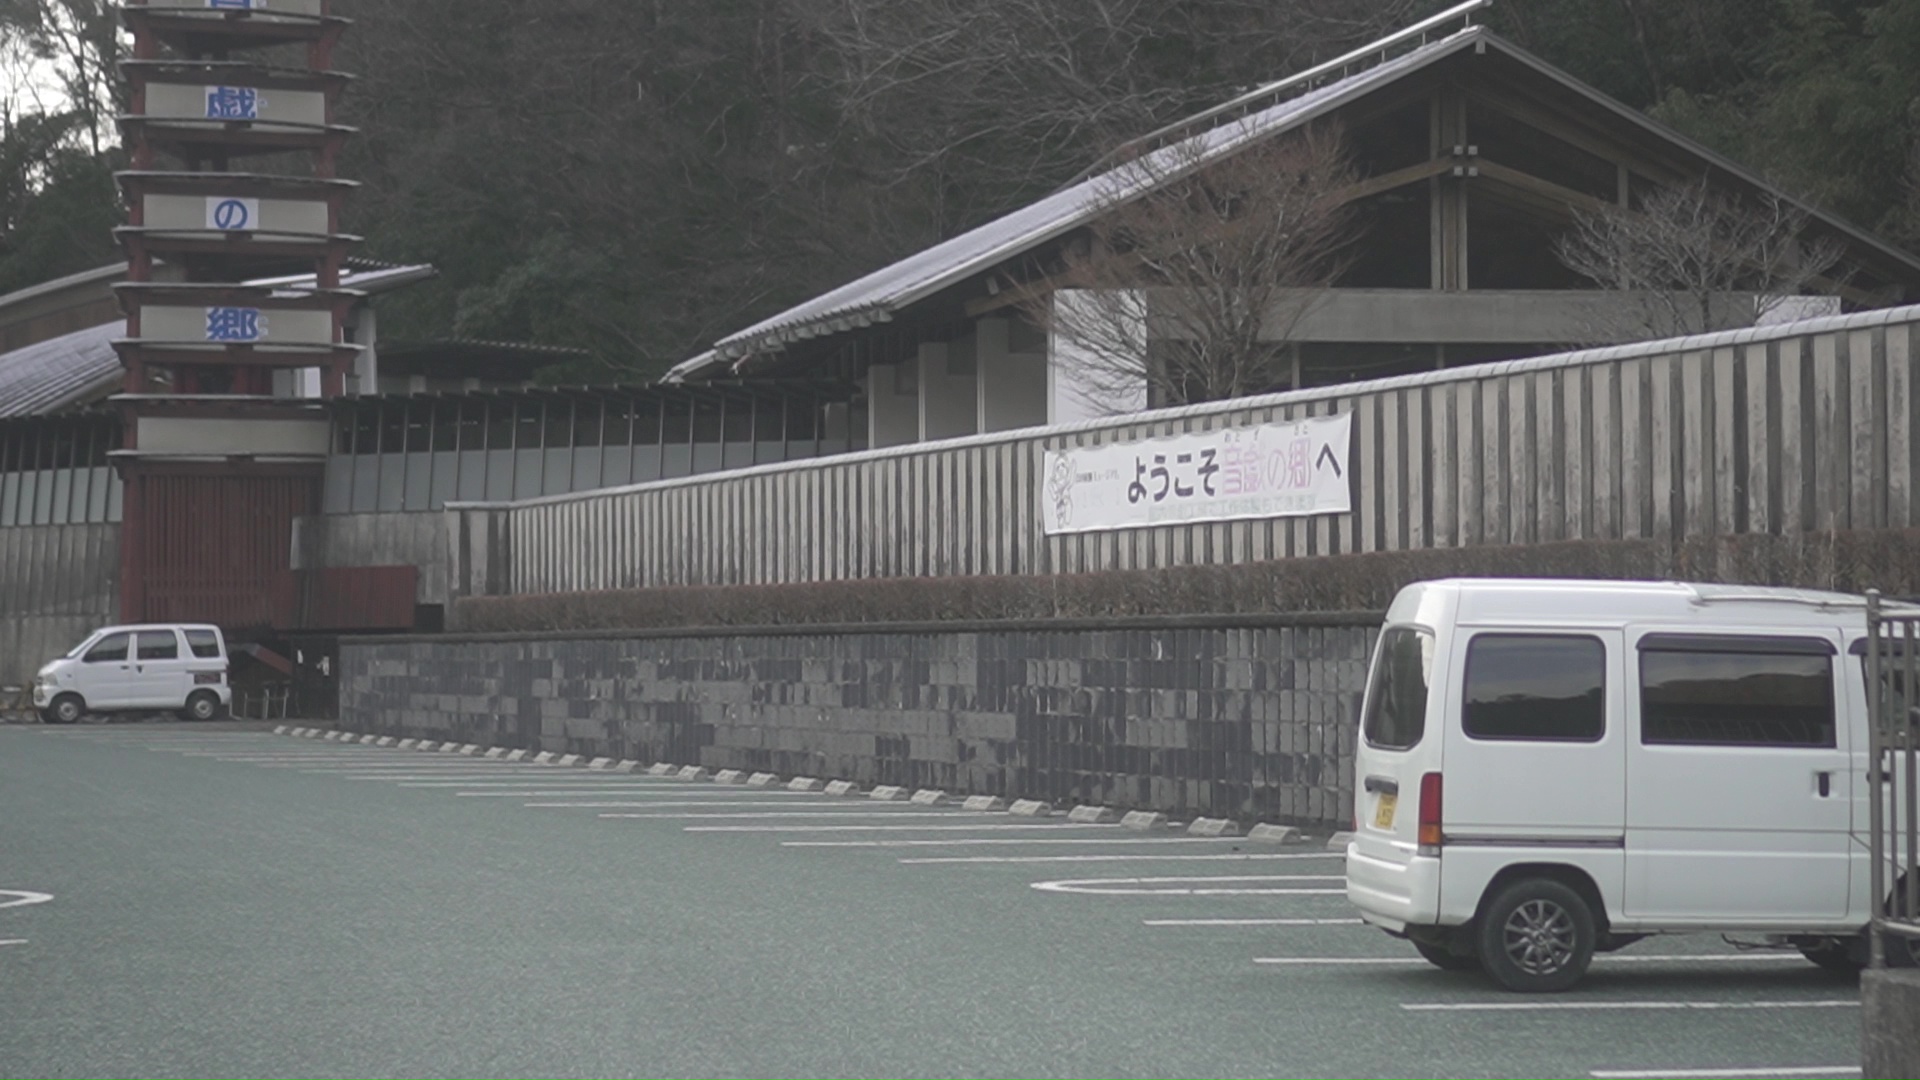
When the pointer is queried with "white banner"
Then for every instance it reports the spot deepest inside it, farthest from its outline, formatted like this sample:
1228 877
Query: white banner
1289 469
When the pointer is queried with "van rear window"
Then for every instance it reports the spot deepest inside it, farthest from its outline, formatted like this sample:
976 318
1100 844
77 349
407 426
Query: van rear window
204 643
1396 709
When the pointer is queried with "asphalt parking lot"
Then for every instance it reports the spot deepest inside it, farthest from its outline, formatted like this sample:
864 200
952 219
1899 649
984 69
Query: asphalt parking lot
183 901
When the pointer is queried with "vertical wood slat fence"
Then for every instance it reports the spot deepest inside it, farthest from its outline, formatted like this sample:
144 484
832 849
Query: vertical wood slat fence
1803 427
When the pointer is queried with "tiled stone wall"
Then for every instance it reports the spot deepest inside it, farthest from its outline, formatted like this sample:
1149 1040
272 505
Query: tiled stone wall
1252 723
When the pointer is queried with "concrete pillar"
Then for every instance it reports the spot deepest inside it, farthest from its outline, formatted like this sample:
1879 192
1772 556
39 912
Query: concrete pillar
1012 386
1890 1023
948 393
1081 384
893 404
365 332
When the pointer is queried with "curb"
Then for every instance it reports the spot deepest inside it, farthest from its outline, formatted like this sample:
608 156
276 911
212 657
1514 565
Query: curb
805 783
1093 815
1143 819
1274 834
842 787
983 802
928 797
1030 808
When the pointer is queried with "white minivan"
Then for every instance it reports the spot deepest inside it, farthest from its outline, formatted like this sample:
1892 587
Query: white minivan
1550 768
154 668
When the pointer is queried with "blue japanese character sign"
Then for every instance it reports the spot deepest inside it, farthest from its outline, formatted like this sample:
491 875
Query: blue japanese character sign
1288 469
233 103
235 324
232 215
239 5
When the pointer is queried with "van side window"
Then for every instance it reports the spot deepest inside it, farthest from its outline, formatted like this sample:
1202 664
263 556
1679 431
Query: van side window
1396 714
204 643
110 648
159 645
1535 687
1755 692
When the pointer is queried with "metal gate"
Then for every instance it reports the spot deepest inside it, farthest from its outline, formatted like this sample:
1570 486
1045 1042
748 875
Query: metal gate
1893 772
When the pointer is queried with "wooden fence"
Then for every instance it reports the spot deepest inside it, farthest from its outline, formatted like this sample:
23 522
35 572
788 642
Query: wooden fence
1802 427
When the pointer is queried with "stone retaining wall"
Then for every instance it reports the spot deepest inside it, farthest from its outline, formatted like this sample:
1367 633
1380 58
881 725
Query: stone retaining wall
1253 719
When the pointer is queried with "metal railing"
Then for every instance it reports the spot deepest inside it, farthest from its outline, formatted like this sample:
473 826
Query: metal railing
1893 774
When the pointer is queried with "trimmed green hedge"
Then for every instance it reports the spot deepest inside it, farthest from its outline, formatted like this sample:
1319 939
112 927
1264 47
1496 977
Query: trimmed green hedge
1886 559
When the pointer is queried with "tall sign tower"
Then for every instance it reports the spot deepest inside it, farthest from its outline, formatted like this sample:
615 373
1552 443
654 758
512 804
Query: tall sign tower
233 149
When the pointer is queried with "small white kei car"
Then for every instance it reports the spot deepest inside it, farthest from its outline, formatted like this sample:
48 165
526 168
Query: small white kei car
153 668
1550 768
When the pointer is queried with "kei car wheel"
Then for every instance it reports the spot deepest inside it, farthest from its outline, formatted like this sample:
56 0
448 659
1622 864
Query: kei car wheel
1537 936
203 705
66 709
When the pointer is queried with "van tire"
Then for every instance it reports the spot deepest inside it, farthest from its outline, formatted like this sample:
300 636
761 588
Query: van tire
1537 936
65 709
1446 959
202 705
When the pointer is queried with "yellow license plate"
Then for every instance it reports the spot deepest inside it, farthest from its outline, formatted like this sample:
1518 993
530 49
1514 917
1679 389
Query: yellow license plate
1383 810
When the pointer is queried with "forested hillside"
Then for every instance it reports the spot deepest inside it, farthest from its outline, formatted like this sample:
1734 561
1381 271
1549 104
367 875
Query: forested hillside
641 176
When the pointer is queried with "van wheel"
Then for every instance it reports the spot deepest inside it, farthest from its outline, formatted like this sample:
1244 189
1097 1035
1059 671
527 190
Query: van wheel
66 709
1446 959
1537 936
202 705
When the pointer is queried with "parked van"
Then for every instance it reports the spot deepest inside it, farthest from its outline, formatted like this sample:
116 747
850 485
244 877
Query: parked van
1550 768
177 668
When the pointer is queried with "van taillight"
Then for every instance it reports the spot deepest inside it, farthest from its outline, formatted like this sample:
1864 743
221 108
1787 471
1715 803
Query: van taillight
1430 814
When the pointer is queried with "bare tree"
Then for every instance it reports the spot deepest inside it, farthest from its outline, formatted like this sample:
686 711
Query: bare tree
1692 259
1196 274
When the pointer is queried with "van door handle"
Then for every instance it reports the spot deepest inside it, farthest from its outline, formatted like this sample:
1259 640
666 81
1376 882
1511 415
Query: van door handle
1826 783
1383 785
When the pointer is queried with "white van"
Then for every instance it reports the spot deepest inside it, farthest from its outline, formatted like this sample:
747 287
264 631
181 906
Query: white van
1550 768
154 668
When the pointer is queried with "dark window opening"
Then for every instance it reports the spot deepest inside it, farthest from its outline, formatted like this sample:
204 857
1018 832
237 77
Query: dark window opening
1396 708
1331 363
1393 140
1535 687
1509 247
1393 245
1723 698
1505 141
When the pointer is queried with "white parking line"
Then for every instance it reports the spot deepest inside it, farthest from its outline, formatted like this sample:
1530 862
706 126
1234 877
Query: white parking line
14 941
635 788
970 841
1235 857
1578 1006
875 828
712 802
1727 1073
23 898
1253 922
1190 886
856 811
1670 958
707 797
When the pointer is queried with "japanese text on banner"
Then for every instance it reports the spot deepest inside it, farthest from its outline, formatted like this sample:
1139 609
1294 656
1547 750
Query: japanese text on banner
1287 469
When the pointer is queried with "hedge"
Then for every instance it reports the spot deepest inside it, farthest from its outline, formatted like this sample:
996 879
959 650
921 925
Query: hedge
1850 561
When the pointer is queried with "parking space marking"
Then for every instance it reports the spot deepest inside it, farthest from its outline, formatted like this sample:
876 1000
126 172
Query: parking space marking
711 798
858 810
1253 922
854 811
1233 857
877 828
22 898
1602 1006
1664 958
969 841
14 941
1727 1073
1192 886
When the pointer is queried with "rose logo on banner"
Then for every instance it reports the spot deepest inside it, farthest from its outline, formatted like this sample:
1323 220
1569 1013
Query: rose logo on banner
1287 469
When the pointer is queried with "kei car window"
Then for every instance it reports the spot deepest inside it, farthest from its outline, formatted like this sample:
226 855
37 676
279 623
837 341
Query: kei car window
1549 687
1396 709
1736 698
108 649
159 645
204 643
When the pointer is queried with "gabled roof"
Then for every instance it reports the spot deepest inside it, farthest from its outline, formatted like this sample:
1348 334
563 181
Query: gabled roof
876 297
60 372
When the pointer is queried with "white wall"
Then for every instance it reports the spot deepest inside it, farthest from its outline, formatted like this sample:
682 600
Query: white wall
1012 386
1071 394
